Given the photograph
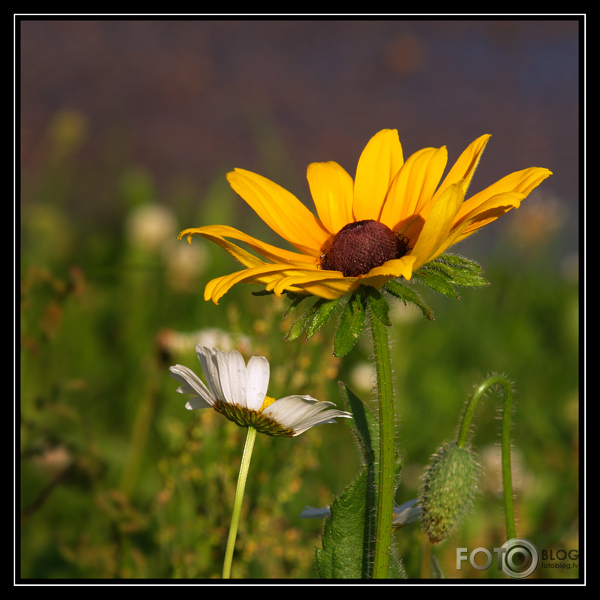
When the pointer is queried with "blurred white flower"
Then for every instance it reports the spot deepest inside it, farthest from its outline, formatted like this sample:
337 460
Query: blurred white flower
179 342
238 392
184 264
363 377
150 225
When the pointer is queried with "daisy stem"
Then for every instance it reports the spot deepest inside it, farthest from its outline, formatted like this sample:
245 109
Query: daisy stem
463 435
385 500
237 503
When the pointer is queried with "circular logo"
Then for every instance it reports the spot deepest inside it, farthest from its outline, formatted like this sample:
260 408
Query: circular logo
520 558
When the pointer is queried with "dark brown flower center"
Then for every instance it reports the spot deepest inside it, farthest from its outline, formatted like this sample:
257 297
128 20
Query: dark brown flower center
362 246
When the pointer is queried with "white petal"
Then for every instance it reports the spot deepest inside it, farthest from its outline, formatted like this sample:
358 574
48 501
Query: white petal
300 413
192 384
221 359
258 382
238 379
208 360
196 403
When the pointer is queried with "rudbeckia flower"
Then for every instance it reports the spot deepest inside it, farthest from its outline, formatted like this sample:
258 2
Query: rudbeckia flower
394 217
238 392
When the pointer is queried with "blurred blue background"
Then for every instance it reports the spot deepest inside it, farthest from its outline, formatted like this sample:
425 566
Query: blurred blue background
186 99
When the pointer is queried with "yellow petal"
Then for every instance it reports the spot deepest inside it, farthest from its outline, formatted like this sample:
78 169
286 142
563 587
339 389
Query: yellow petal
327 282
378 164
332 190
462 171
487 212
464 168
278 279
492 209
281 211
218 233
456 235
392 269
438 225
261 274
521 182
241 255
413 186
330 289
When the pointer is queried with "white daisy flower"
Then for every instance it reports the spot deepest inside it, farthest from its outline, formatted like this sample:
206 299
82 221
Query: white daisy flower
239 392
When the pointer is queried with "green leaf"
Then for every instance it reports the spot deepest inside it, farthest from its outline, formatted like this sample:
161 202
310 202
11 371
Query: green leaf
408 295
345 534
363 424
348 536
348 542
350 326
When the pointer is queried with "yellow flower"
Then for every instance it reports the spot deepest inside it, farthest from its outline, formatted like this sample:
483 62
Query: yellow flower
392 219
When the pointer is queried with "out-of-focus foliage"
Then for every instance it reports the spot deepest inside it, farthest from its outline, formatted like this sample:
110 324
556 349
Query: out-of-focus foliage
118 480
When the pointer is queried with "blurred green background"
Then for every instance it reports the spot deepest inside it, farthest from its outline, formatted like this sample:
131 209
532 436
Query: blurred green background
117 479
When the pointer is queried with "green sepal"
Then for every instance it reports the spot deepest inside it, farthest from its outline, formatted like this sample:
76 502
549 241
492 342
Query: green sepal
449 270
437 282
312 319
351 325
458 270
295 331
441 275
460 261
296 299
406 294
324 309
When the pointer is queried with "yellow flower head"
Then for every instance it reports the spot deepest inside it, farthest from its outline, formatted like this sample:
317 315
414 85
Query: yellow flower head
392 219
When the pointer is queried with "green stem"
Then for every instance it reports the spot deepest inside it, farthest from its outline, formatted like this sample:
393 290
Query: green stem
237 503
385 500
463 435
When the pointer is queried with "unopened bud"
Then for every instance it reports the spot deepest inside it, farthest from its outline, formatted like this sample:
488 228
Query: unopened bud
447 490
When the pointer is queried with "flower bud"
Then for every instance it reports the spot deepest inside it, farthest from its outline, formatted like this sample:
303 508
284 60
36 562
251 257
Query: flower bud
447 490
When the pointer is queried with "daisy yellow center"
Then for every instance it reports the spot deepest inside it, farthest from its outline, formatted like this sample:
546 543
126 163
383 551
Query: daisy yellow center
361 246
267 402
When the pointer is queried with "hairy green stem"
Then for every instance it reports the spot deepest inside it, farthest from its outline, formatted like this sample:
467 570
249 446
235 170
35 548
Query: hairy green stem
463 435
385 499
237 502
